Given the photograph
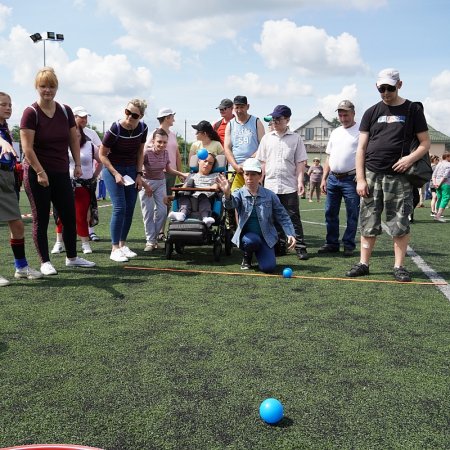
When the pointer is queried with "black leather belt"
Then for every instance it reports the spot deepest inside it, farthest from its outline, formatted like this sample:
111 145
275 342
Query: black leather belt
7 167
344 174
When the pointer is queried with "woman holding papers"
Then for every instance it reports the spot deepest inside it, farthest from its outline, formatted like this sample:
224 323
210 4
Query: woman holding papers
122 155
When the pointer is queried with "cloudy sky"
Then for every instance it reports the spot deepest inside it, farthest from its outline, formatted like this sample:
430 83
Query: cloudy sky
189 55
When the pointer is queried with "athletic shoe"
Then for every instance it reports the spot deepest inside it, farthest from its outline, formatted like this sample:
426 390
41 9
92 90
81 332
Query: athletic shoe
176 216
162 237
93 237
86 248
4 282
440 219
127 252
118 256
401 274
328 249
358 270
302 254
246 261
432 214
48 269
28 272
149 246
58 248
208 221
348 252
79 262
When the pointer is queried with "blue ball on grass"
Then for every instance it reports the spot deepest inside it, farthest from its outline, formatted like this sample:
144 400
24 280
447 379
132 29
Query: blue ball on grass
271 411
287 272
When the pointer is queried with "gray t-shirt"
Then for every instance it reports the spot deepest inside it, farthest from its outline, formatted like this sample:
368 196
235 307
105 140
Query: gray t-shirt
202 181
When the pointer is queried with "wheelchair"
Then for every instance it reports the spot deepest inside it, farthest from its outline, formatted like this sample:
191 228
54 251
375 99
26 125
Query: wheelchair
193 231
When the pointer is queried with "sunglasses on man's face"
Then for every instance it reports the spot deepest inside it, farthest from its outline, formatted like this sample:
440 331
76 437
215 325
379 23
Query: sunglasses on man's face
132 114
386 87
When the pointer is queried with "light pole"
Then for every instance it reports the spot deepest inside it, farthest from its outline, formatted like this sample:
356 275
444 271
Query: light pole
47 36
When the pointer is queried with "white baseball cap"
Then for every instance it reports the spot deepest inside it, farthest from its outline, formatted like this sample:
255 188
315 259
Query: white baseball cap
164 112
388 76
80 111
252 165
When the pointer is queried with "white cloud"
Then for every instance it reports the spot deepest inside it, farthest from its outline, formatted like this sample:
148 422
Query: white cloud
105 83
440 85
308 49
327 105
110 74
159 31
252 85
437 105
5 13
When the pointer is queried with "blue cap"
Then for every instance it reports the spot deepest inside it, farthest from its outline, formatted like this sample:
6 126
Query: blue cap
280 111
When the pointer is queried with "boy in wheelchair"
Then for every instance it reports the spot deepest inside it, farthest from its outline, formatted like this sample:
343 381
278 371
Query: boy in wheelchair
202 179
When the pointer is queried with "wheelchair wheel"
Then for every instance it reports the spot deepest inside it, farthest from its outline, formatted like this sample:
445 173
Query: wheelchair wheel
179 248
227 240
168 249
217 249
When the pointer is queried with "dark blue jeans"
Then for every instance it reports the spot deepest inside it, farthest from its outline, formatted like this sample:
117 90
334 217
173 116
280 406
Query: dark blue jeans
123 199
292 205
253 243
338 189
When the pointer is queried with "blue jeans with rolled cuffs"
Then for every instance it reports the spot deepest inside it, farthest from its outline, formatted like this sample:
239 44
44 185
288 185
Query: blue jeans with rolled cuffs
253 243
123 199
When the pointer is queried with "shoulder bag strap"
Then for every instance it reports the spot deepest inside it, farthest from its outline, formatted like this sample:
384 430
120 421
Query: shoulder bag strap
408 114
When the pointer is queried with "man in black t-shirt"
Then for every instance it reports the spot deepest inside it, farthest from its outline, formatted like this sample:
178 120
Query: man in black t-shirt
382 158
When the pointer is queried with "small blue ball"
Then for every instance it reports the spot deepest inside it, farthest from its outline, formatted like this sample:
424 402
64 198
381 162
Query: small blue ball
202 153
287 273
271 410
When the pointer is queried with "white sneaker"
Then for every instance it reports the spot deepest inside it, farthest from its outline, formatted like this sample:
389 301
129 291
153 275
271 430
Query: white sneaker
58 248
86 248
79 262
28 272
48 269
208 221
127 252
149 246
440 219
4 281
118 256
177 216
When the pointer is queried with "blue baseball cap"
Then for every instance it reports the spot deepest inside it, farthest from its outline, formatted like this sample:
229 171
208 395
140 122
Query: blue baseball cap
280 111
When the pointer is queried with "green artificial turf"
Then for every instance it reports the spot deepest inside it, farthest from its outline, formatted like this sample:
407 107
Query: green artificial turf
126 359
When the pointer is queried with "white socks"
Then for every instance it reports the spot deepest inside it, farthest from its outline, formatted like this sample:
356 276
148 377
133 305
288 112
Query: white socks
208 221
178 216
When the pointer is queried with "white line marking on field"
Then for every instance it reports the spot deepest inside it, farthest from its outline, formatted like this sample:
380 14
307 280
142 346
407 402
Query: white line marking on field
321 223
429 272
308 210
425 268
29 215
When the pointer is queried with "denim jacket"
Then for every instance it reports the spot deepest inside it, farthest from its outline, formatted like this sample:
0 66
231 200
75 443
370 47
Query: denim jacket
268 210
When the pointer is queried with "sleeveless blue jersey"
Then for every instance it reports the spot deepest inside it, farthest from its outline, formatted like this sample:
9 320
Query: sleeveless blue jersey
244 139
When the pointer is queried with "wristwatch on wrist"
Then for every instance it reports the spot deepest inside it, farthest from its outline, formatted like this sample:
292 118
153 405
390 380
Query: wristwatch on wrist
140 173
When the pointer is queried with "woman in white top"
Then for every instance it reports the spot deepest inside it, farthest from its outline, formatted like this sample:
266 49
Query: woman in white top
83 192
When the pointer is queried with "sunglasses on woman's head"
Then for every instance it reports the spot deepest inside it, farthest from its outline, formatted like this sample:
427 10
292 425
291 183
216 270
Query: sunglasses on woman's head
132 114
386 87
